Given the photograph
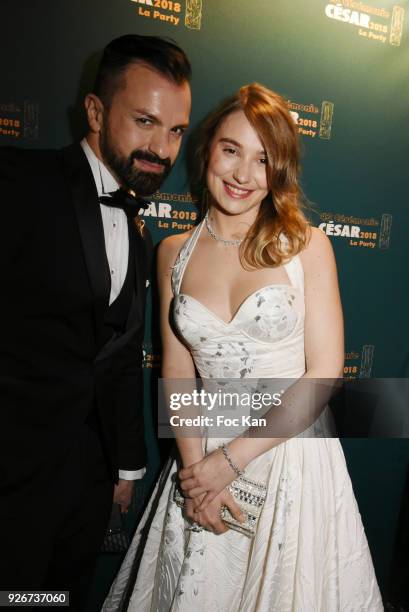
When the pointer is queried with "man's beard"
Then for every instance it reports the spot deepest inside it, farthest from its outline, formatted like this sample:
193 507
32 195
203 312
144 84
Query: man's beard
142 183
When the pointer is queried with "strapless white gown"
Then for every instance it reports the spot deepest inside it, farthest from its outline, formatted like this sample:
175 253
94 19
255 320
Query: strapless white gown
310 552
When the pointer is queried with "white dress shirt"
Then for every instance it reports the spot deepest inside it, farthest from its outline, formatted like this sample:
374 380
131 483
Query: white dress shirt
116 237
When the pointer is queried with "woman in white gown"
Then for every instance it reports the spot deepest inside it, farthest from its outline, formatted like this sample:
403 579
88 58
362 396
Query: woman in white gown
251 292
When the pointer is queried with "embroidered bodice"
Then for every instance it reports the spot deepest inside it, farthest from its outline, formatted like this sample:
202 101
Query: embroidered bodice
264 339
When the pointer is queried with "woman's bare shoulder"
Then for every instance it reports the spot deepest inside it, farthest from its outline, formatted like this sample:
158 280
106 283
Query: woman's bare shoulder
318 245
318 253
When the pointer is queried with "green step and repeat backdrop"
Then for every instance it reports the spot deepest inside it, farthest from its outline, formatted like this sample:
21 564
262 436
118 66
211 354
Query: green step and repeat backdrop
343 68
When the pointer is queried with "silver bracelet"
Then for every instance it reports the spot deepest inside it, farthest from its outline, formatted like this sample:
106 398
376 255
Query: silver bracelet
233 466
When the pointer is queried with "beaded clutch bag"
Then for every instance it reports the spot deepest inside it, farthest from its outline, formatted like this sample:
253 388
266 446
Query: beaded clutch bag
250 495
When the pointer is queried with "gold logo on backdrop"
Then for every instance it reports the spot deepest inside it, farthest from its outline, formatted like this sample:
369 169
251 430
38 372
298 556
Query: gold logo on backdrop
193 15
395 37
31 119
385 232
366 361
327 112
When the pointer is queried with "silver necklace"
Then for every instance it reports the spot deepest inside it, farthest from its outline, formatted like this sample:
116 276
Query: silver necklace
213 234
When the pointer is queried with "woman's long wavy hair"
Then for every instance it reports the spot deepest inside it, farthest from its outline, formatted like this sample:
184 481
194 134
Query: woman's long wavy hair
281 211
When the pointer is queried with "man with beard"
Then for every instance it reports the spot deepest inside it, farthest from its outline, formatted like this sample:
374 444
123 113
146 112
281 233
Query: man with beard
76 261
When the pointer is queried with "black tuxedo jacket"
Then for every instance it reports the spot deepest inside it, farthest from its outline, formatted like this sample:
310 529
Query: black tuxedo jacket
54 366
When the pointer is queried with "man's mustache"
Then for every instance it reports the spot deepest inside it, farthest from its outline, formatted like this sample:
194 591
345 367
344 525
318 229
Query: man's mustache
151 157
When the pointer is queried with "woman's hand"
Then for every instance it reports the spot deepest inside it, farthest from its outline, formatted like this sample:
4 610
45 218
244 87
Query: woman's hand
210 517
206 478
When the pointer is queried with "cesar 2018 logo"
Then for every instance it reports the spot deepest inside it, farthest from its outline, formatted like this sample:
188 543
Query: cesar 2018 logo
376 233
20 120
367 22
154 9
306 119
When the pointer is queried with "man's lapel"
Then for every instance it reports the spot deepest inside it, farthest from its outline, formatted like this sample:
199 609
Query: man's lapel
85 200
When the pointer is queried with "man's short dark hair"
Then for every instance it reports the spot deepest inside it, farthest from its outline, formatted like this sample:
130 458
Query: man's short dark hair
159 53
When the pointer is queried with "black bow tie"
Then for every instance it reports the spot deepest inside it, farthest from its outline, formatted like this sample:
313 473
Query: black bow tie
129 203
